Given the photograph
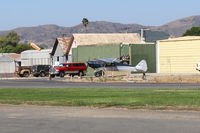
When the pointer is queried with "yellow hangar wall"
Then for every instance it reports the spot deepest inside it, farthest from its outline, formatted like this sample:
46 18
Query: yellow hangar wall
178 56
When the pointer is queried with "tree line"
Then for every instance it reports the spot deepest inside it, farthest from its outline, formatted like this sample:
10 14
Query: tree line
194 31
10 43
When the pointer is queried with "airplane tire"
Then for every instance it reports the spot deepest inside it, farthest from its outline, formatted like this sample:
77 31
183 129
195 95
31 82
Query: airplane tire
81 73
99 73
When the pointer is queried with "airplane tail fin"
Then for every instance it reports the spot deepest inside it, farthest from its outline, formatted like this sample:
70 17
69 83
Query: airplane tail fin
142 66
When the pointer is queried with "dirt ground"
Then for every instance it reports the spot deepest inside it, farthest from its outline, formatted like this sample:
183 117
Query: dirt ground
128 77
18 110
138 78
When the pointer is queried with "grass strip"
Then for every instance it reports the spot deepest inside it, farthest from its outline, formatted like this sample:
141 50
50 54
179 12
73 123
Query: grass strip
106 97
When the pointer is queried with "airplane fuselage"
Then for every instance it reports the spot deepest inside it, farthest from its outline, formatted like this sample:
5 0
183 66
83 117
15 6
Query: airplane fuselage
141 67
120 68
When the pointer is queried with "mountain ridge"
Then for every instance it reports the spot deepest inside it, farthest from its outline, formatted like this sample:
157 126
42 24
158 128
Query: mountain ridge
46 34
178 27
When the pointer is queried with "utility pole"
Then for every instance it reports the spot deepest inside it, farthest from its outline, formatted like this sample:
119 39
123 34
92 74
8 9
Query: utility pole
142 37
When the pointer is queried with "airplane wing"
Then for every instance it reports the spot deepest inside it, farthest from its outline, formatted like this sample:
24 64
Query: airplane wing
108 60
101 62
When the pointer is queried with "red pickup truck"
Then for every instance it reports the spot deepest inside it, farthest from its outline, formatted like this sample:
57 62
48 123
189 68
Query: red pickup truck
70 69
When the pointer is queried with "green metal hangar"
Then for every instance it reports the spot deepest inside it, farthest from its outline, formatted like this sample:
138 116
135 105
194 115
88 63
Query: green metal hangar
178 55
85 47
90 46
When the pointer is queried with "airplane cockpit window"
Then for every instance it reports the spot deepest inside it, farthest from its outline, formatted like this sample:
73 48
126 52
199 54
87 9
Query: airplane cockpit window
112 64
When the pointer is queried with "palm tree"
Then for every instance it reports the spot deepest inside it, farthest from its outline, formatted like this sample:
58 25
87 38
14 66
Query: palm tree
85 23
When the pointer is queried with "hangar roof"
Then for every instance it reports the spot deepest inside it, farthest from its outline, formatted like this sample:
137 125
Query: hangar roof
185 38
12 56
107 38
66 43
4 58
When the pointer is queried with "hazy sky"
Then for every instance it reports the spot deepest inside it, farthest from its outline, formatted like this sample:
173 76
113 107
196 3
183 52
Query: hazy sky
23 13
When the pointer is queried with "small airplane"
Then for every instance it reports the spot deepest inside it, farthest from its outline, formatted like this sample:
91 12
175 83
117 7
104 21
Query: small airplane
101 65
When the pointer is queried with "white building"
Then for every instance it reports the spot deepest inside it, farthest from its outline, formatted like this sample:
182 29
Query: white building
61 49
8 62
35 57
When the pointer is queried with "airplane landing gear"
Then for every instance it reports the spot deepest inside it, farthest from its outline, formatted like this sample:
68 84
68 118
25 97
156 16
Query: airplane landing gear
99 73
144 76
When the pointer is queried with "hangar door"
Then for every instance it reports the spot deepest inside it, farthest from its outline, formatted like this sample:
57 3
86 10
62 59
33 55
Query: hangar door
90 52
139 52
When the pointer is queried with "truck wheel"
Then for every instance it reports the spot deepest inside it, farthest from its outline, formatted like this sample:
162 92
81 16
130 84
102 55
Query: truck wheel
26 74
52 75
81 73
72 75
35 75
42 74
21 75
62 74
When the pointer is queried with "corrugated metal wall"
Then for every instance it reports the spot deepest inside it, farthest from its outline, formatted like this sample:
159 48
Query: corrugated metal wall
85 53
34 57
179 56
124 50
143 51
74 54
7 67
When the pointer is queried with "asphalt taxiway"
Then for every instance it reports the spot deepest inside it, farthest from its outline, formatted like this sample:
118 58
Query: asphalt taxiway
56 83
